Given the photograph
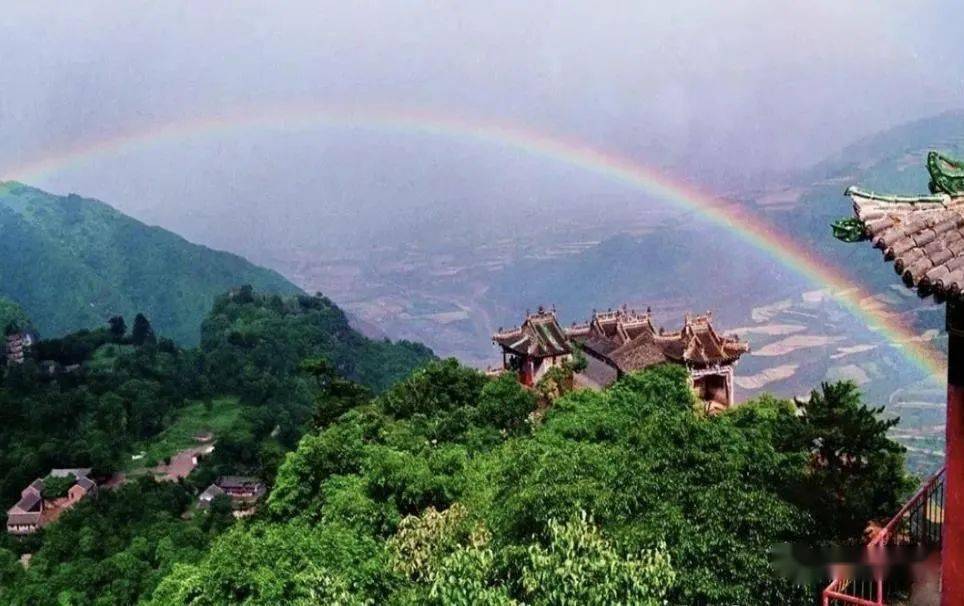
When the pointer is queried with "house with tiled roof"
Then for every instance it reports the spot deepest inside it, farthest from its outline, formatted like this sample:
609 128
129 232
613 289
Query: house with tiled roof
35 510
244 492
25 516
621 341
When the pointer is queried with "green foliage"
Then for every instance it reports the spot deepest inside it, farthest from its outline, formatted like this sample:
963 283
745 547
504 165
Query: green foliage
680 508
90 417
440 490
443 387
579 362
142 333
57 487
505 404
282 564
580 566
421 542
555 383
12 317
856 473
58 253
259 377
118 327
112 550
253 343
217 416
10 572
336 395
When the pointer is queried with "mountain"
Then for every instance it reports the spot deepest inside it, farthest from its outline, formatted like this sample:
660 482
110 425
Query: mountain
892 161
72 262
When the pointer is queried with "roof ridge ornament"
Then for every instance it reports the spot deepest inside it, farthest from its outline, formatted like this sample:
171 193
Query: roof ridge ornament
923 235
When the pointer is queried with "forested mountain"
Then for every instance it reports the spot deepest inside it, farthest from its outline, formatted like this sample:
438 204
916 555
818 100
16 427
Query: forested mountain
454 487
72 262
131 385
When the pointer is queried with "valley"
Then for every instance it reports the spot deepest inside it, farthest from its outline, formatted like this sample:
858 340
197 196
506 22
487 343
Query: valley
454 293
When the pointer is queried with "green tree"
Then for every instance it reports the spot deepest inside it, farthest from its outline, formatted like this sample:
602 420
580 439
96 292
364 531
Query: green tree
142 333
580 566
118 327
336 394
505 404
57 487
856 472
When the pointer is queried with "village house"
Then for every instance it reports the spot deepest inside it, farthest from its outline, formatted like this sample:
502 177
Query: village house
244 492
33 510
617 342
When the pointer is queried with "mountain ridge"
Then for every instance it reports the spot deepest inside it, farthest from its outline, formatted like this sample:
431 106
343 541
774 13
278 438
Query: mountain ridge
90 261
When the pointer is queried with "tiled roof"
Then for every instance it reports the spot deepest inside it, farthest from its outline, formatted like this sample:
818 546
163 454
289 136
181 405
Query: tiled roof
635 344
17 519
642 352
699 343
922 235
539 336
30 501
85 482
210 492
236 482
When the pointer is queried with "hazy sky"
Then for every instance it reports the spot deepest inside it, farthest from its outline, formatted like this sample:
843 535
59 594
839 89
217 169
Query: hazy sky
709 88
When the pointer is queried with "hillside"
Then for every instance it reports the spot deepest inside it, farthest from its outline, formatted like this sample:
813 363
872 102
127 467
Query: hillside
129 395
446 489
891 161
72 262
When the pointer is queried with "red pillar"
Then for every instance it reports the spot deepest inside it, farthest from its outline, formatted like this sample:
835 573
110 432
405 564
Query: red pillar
952 552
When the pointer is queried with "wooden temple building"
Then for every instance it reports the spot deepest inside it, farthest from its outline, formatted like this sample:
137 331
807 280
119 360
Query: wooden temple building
924 237
617 342
536 346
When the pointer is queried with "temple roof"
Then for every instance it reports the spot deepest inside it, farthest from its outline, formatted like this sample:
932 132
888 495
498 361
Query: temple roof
626 338
539 336
630 341
922 235
699 343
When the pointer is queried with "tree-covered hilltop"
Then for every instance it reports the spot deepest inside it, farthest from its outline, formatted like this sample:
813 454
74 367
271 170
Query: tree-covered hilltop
72 262
93 398
273 335
450 488
447 487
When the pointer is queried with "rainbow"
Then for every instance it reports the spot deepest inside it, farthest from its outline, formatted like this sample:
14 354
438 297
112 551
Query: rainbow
621 169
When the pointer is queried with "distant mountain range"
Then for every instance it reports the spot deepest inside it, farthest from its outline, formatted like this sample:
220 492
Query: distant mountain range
70 262
892 161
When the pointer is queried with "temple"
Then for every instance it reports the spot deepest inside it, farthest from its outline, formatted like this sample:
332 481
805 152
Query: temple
924 237
618 342
536 346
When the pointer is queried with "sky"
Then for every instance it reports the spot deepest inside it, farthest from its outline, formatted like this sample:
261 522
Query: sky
711 91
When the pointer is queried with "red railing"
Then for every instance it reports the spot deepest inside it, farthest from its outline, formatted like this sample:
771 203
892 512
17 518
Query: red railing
919 522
